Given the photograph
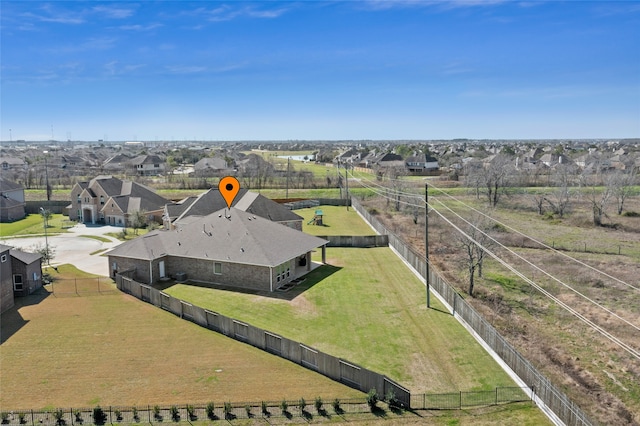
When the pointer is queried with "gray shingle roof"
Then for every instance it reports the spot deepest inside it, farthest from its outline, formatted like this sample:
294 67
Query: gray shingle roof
251 202
240 238
24 257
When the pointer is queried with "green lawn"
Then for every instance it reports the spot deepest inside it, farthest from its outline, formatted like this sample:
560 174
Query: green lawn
33 224
337 221
368 308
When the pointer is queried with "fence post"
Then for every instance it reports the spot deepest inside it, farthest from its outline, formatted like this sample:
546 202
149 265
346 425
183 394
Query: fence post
496 395
149 413
72 416
75 282
32 422
460 401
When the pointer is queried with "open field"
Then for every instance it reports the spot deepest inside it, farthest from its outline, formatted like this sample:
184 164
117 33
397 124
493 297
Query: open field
367 307
601 377
116 350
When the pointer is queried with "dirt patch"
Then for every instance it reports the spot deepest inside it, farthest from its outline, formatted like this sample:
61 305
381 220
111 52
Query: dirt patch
303 307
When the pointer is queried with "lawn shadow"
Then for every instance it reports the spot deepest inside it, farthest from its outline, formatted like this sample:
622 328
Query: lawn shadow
12 321
379 411
309 280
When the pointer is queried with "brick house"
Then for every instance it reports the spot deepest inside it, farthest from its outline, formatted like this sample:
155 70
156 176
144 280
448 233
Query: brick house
6 279
229 247
147 165
111 201
211 201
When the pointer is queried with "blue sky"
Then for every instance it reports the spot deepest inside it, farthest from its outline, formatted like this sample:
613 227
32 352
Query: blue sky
170 70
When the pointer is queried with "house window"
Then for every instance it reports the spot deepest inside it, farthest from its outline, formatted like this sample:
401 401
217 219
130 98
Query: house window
156 165
79 214
217 268
3 258
102 200
17 282
79 200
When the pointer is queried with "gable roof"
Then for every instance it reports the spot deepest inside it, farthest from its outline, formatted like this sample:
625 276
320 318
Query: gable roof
227 235
8 185
252 202
24 257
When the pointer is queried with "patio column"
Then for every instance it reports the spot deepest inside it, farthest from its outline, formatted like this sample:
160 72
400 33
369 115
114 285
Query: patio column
324 254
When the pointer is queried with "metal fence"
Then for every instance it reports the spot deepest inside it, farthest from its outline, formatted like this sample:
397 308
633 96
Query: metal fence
251 410
552 397
81 286
335 368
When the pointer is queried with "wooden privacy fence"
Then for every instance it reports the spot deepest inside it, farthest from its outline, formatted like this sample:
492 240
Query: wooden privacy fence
356 240
545 391
335 368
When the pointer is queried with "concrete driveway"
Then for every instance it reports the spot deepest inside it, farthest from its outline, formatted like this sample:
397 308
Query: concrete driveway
73 248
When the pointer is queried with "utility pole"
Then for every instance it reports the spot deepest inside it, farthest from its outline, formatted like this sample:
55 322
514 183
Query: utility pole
46 174
346 177
426 241
45 213
287 193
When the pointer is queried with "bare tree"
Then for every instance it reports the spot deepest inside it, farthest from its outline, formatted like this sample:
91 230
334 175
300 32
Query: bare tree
622 186
138 220
473 249
495 177
598 198
560 198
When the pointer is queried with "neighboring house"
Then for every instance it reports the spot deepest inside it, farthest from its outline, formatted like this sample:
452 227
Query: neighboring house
12 163
20 275
420 163
147 165
552 160
229 247
12 202
211 166
6 279
211 201
111 201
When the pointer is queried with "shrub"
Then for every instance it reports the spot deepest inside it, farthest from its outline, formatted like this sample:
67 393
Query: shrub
228 411
393 402
118 414
211 413
318 404
302 404
78 415
372 399
58 415
99 416
175 414
264 408
631 214
136 417
247 408
22 418
336 406
191 412
284 406
156 412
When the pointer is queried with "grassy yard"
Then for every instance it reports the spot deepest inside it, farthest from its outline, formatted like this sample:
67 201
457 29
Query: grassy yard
112 349
33 224
367 307
337 221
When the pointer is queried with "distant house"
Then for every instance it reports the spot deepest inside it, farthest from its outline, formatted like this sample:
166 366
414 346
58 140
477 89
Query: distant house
117 162
420 163
12 202
112 201
12 163
552 160
211 201
211 166
229 247
20 275
147 165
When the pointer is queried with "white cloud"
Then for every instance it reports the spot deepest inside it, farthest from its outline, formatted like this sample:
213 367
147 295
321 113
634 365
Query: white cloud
138 27
113 12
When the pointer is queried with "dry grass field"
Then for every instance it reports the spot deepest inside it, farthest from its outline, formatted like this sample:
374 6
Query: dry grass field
115 350
600 376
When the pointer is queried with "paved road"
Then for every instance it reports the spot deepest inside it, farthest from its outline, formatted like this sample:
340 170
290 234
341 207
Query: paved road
73 248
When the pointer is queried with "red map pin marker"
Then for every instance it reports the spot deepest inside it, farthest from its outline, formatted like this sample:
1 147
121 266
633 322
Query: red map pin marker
229 187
